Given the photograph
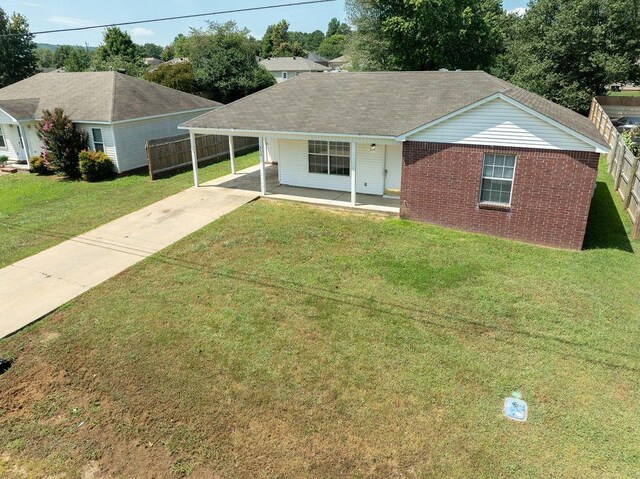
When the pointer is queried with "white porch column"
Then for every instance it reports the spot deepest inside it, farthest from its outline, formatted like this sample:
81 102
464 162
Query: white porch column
194 158
352 152
232 155
263 175
25 142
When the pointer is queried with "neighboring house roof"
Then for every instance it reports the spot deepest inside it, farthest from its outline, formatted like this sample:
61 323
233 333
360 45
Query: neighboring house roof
340 59
152 61
388 104
96 96
298 64
314 57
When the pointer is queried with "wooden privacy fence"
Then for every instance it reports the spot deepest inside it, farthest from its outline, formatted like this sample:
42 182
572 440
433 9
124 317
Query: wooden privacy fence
173 152
622 165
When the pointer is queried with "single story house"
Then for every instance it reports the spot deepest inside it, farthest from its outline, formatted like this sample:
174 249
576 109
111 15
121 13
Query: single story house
283 68
461 148
118 112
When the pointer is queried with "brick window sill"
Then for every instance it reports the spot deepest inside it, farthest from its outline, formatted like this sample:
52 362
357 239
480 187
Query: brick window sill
494 207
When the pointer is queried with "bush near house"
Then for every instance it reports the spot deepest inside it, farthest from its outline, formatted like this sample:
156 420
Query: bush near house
96 166
62 142
39 165
3 160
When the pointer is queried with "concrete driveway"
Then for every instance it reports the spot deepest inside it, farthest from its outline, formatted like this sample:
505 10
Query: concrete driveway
43 282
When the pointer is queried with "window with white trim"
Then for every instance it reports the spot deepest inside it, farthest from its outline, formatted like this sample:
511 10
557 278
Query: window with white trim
284 75
3 142
497 178
98 142
330 157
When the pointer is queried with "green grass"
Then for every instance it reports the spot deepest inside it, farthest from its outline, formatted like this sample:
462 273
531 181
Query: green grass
624 93
297 342
37 212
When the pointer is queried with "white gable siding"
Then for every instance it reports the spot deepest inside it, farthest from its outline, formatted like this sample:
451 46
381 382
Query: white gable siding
130 137
500 123
107 138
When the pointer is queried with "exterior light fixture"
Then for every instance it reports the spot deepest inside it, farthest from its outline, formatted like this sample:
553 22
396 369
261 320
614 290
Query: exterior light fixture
373 147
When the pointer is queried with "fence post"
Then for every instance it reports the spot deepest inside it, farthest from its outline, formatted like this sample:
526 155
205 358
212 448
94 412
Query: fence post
632 180
619 166
635 233
149 159
612 153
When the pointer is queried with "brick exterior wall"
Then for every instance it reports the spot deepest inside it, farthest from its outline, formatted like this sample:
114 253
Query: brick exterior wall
549 205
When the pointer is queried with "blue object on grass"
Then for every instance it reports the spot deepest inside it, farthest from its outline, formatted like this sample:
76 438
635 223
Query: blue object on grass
515 409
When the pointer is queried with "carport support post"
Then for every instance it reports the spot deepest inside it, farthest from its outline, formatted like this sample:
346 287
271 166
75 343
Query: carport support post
194 158
232 155
263 176
352 154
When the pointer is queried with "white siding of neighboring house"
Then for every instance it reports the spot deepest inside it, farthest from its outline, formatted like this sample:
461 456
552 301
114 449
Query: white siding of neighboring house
278 75
500 123
130 137
107 138
12 149
293 169
273 150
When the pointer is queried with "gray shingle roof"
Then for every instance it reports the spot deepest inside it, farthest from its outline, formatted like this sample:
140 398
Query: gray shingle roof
296 64
96 96
376 104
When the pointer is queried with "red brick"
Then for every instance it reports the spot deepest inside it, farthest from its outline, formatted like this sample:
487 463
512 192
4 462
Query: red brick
551 192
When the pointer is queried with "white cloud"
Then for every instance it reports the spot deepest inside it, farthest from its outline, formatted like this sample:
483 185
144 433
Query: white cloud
141 33
70 21
519 11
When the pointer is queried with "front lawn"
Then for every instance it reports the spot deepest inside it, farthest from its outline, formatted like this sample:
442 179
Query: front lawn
37 212
291 341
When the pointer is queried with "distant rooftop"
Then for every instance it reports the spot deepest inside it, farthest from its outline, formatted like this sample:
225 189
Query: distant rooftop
95 96
298 64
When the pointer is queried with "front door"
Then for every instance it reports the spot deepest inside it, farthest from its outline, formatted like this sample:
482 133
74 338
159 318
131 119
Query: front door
393 170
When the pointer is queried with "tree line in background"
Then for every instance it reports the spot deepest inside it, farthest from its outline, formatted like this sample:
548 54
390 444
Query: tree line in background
565 50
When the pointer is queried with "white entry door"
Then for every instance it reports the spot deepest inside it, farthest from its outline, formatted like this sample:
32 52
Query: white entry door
393 170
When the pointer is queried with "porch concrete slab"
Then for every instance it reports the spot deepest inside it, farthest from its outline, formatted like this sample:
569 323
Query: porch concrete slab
249 180
43 282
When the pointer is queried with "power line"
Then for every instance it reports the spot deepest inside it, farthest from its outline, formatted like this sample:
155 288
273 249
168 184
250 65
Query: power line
164 19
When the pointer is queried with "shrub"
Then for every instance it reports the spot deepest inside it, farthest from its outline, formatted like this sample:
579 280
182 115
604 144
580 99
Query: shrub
61 142
3 160
39 165
96 166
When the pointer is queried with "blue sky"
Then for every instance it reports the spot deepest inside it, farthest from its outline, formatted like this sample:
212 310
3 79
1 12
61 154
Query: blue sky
48 15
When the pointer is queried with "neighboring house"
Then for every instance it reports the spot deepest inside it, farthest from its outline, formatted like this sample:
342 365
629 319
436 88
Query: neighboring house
118 112
284 68
152 62
462 149
339 62
314 57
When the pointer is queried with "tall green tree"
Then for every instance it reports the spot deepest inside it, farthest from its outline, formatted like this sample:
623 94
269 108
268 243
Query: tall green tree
61 54
224 62
308 41
333 46
118 52
18 58
78 60
425 34
276 42
118 43
178 76
45 58
151 50
336 27
570 50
